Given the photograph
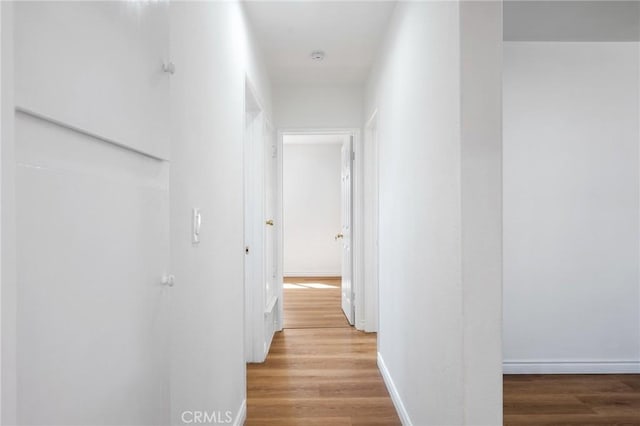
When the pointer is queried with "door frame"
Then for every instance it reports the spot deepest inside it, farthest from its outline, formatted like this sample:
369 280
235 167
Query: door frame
259 321
357 241
371 225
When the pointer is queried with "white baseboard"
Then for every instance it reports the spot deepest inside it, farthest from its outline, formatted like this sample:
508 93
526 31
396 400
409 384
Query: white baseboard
393 392
241 416
571 367
319 274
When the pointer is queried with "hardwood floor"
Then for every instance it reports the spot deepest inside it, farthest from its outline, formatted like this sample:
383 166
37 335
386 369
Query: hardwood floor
313 303
572 399
322 372
324 376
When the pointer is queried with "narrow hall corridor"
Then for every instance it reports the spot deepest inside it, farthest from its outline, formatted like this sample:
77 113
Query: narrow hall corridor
313 303
319 370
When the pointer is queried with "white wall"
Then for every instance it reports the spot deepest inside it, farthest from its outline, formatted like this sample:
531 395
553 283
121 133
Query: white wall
440 189
8 298
3 119
91 120
330 107
121 65
212 51
316 107
481 197
90 173
92 323
571 207
312 203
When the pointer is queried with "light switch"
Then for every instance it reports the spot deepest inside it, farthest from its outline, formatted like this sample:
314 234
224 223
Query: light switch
196 224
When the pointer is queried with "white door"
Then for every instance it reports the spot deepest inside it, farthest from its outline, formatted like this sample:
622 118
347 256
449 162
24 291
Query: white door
253 225
270 248
259 223
347 260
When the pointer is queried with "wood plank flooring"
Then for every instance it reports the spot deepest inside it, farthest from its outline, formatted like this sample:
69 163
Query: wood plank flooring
596 399
313 303
321 372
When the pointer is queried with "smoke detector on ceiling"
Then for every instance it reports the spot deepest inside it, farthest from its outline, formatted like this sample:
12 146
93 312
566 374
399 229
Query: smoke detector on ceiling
317 55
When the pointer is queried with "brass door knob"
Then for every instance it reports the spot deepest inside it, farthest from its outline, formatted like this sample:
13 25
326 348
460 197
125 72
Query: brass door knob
339 236
269 222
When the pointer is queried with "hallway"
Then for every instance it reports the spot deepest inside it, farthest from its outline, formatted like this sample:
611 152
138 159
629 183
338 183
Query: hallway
466 172
318 376
313 303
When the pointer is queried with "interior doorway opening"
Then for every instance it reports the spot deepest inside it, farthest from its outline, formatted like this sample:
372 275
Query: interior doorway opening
317 233
335 363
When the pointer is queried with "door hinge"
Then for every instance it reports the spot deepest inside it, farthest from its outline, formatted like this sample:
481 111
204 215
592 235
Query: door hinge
353 156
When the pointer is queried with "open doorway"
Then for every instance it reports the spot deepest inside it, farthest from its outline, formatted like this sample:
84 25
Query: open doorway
322 368
317 217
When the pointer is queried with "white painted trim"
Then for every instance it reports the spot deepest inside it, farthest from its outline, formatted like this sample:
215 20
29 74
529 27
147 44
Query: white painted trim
356 226
84 132
357 236
571 367
393 392
305 143
372 118
318 131
260 103
279 213
370 231
241 415
312 274
270 305
255 339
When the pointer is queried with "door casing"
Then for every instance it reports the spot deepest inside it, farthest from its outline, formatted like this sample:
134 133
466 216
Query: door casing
262 311
371 223
346 231
357 242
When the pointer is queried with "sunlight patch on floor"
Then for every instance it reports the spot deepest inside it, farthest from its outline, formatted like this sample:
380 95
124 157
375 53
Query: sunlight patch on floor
307 285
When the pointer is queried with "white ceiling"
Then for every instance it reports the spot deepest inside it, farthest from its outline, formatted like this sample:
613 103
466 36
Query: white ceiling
349 32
